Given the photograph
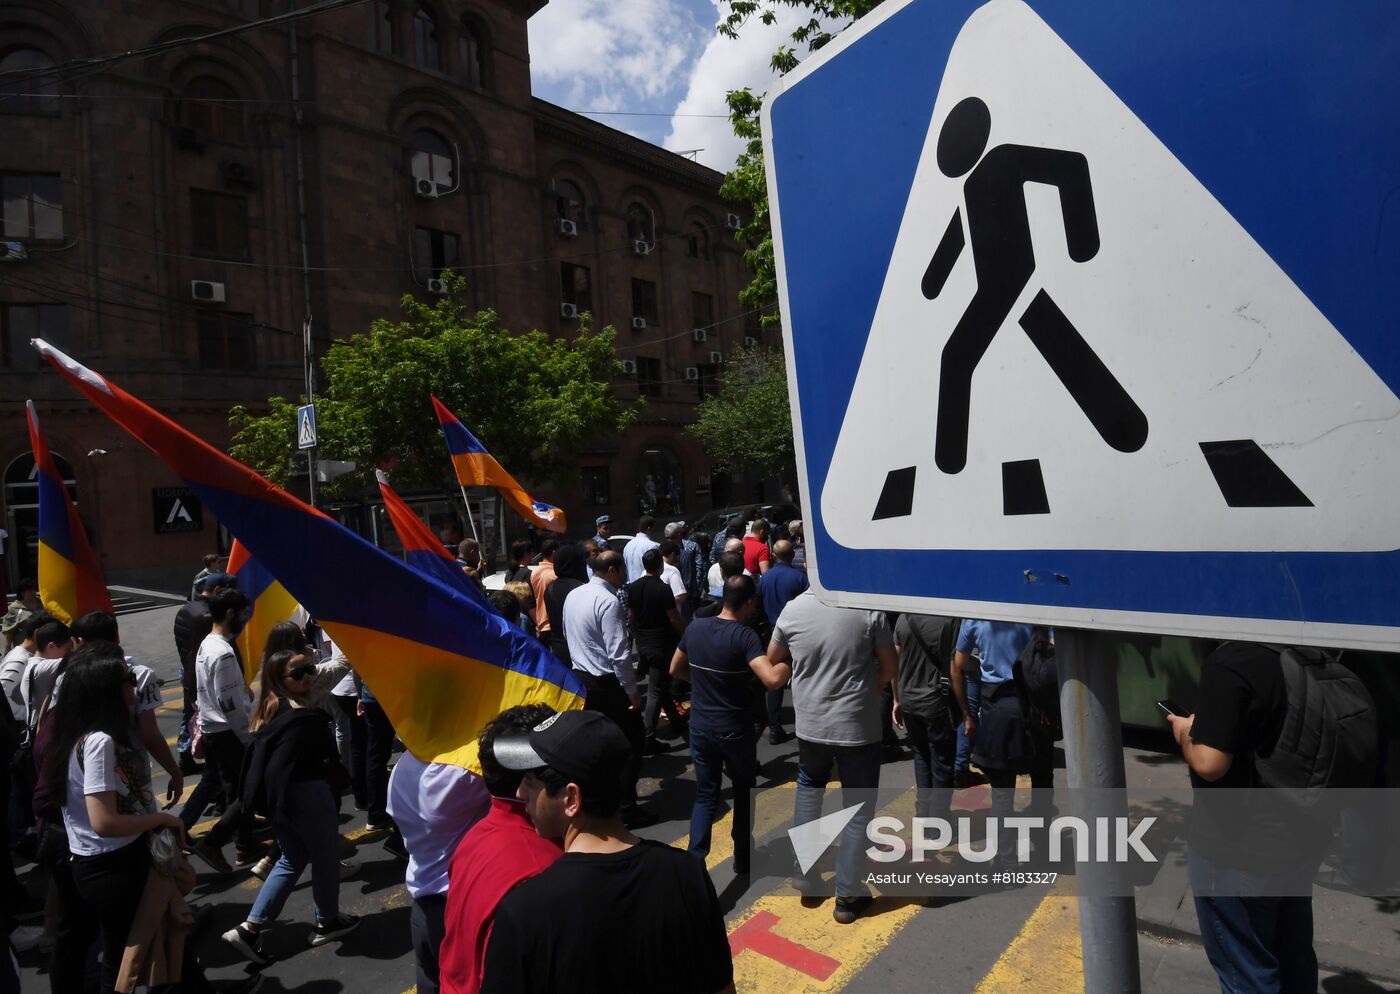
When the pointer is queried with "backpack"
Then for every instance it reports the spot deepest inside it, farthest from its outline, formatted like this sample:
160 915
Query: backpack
1330 734
1038 679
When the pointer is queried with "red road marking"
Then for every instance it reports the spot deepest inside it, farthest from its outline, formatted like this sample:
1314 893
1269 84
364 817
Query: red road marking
978 798
757 934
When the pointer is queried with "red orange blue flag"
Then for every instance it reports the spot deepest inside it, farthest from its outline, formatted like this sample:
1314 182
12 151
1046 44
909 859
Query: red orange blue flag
421 549
440 662
271 604
70 579
478 468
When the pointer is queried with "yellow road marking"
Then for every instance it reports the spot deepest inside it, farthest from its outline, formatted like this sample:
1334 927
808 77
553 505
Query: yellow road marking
1046 956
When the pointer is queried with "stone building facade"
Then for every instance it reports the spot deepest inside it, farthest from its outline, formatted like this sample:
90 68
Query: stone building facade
181 214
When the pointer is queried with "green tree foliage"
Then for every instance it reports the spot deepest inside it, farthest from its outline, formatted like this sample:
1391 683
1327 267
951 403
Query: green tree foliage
531 399
747 183
747 422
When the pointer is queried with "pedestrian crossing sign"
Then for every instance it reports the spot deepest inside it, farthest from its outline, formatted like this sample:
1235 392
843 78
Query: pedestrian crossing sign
306 426
1086 328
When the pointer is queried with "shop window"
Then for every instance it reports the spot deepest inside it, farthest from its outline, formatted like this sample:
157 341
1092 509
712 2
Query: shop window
597 489
660 484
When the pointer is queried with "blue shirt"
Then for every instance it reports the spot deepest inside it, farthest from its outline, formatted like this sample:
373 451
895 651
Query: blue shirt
779 585
719 651
999 643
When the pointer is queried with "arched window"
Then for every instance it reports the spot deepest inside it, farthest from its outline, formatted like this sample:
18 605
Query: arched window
426 50
211 107
568 201
641 226
383 36
431 158
27 95
697 244
471 65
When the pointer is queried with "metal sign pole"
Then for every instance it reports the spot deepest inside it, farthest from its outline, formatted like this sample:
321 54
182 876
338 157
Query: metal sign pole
470 520
1093 743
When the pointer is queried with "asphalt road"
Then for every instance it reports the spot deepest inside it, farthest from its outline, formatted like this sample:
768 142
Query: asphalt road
1007 941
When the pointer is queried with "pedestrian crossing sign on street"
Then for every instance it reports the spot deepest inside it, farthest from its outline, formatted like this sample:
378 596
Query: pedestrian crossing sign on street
1090 313
306 426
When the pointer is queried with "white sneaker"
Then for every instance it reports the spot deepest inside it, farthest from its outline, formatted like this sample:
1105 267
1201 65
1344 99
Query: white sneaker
264 867
30 937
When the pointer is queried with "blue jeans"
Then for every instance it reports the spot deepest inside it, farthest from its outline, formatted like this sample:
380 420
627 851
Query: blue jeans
715 753
306 829
974 704
1256 945
858 768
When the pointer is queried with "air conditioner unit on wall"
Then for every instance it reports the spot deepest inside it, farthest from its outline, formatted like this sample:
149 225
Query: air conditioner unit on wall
568 310
438 287
716 358
629 367
700 334
427 189
206 292
733 222
750 342
692 372
13 252
566 227
639 324
641 247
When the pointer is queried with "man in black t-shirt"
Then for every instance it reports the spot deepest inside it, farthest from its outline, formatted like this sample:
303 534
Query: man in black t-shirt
614 913
720 656
656 622
1252 854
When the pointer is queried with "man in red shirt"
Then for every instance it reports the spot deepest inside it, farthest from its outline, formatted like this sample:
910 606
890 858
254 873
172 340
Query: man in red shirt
757 558
496 854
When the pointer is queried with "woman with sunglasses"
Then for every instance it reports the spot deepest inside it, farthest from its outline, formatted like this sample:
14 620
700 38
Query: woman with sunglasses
289 779
95 768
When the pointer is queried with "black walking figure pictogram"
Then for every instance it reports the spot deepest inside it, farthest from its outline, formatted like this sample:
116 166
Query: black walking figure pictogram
1002 257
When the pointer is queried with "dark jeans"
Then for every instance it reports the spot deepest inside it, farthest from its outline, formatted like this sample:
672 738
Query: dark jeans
225 751
357 756
76 928
716 753
1256 945
774 700
205 793
379 745
656 660
111 885
182 741
606 696
858 768
935 743
425 924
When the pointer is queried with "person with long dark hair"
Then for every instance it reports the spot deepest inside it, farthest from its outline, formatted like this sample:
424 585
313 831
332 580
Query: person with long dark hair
292 778
96 769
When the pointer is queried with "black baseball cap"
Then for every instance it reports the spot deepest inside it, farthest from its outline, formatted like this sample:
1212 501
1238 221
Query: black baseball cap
212 580
585 746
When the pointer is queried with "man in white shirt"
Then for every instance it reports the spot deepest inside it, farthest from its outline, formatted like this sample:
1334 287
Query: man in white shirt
635 549
16 662
596 628
225 704
433 805
52 640
671 574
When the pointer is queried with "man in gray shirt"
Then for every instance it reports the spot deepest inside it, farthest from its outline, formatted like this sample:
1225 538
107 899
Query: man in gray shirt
842 659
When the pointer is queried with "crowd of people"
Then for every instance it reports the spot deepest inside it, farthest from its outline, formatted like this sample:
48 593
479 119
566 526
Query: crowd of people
708 631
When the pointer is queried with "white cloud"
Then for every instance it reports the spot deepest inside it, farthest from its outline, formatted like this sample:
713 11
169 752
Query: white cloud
728 64
614 54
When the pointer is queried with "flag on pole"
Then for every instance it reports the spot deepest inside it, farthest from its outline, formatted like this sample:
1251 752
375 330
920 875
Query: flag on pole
70 579
439 662
271 604
477 468
422 550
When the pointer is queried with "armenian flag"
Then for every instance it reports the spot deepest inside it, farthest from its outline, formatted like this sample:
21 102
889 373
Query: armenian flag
271 604
439 662
478 468
70 579
423 551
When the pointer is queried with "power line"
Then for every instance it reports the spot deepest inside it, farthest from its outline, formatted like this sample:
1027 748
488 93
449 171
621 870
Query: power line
115 58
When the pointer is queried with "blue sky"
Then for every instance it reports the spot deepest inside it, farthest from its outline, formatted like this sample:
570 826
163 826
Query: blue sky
660 57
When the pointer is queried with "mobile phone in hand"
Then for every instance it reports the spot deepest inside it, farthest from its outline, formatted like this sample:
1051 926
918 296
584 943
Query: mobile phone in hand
1170 707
